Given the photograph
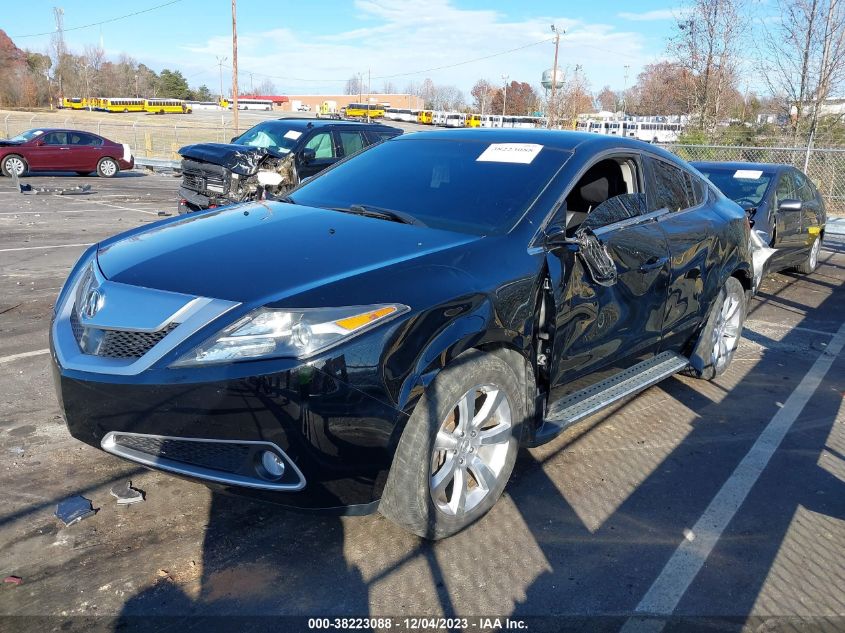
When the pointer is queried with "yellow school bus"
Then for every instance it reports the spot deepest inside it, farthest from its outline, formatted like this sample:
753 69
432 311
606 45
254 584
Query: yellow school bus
120 104
166 106
473 120
74 103
426 117
375 110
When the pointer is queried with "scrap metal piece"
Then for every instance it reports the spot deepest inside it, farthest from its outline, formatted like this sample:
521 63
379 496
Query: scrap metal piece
126 494
74 509
29 190
760 255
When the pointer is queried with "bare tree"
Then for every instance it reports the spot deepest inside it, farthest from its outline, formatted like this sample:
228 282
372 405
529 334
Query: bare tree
803 57
609 100
482 94
707 44
354 86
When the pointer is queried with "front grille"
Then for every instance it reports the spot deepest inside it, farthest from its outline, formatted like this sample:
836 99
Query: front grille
128 344
193 181
228 457
204 181
115 343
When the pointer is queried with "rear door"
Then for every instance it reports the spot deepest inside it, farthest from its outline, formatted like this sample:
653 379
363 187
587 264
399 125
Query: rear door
86 151
812 209
604 328
350 142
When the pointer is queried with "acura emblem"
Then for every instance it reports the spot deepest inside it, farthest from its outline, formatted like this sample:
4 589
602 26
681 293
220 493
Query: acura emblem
93 302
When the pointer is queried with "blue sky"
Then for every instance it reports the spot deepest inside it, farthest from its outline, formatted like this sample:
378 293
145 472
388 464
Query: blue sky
313 47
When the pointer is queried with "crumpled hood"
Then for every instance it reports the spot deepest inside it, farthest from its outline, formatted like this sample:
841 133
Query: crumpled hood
263 252
240 159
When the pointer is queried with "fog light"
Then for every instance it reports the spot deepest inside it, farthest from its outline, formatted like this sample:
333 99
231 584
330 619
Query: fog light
272 464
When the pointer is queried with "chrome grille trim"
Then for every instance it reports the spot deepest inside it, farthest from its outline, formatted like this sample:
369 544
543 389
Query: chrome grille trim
146 449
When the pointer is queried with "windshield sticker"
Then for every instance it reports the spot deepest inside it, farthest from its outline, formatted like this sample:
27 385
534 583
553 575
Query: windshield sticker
293 134
749 174
523 153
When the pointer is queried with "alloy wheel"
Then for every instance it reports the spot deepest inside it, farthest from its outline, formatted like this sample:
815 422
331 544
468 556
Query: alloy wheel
814 254
728 327
108 168
470 450
15 165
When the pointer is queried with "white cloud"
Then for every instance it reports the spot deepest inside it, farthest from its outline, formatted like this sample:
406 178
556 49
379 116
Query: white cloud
390 39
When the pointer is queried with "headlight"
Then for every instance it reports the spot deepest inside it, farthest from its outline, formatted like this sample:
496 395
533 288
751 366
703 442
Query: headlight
272 333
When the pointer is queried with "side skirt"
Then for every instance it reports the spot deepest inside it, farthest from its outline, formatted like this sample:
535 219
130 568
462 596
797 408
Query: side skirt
577 406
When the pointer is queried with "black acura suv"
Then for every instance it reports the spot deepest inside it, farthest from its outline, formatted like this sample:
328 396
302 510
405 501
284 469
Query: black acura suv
391 333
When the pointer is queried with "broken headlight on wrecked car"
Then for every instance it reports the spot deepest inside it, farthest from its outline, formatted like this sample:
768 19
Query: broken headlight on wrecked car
273 333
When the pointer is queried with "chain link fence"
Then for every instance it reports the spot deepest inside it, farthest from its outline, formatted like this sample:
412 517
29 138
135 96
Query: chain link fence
158 138
826 167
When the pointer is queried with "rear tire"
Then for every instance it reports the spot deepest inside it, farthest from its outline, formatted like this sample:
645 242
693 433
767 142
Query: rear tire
458 448
107 168
14 164
812 262
719 339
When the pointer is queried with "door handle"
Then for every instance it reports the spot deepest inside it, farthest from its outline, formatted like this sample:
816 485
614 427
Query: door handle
654 264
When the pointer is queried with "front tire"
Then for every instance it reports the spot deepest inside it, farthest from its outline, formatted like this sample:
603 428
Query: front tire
458 448
719 339
14 164
810 264
107 168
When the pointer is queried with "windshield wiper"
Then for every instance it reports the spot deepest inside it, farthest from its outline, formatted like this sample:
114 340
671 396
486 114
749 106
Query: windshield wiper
381 213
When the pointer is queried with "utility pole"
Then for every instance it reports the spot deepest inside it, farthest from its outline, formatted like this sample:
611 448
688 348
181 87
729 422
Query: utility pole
59 39
368 94
235 66
220 62
551 122
625 91
251 88
505 97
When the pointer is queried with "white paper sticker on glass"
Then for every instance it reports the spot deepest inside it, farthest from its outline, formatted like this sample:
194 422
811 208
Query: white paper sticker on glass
293 134
748 174
522 153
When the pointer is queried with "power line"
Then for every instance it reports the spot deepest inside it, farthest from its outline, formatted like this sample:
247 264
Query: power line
409 73
86 26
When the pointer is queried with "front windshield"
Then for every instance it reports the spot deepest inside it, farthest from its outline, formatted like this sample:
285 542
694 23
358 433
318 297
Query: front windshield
272 135
470 186
23 137
747 187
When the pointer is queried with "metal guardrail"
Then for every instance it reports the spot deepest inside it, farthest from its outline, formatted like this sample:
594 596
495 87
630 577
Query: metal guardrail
157 163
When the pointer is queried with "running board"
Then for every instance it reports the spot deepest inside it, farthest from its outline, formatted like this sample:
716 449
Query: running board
577 406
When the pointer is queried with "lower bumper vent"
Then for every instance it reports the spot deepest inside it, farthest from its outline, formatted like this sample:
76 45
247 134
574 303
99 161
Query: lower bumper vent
234 462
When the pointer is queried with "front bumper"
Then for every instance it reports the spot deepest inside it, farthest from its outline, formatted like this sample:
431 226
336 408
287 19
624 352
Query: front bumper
338 438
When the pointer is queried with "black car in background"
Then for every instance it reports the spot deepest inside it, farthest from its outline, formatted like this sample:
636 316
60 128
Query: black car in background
785 208
388 336
269 159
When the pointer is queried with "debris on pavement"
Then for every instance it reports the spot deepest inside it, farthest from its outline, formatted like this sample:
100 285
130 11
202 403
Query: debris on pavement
13 580
29 190
126 494
74 509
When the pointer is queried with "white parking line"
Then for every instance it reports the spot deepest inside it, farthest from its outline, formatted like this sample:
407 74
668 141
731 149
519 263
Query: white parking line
667 590
117 206
36 248
9 359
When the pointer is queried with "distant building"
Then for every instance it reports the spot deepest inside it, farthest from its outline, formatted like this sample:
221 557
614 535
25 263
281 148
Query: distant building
312 102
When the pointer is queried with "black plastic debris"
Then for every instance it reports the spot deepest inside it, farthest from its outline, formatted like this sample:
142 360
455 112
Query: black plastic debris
126 494
74 509
29 190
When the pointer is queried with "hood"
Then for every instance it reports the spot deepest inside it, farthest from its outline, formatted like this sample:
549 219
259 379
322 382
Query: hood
7 143
239 159
264 252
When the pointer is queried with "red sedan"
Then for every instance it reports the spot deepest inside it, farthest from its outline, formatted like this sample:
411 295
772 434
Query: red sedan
48 149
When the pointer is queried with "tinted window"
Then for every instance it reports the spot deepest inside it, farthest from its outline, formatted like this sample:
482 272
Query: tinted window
804 188
55 138
695 189
440 182
786 189
351 142
744 186
80 138
667 186
322 145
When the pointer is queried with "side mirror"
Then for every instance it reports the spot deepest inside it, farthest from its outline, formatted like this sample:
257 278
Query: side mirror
790 205
39 142
308 154
556 238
